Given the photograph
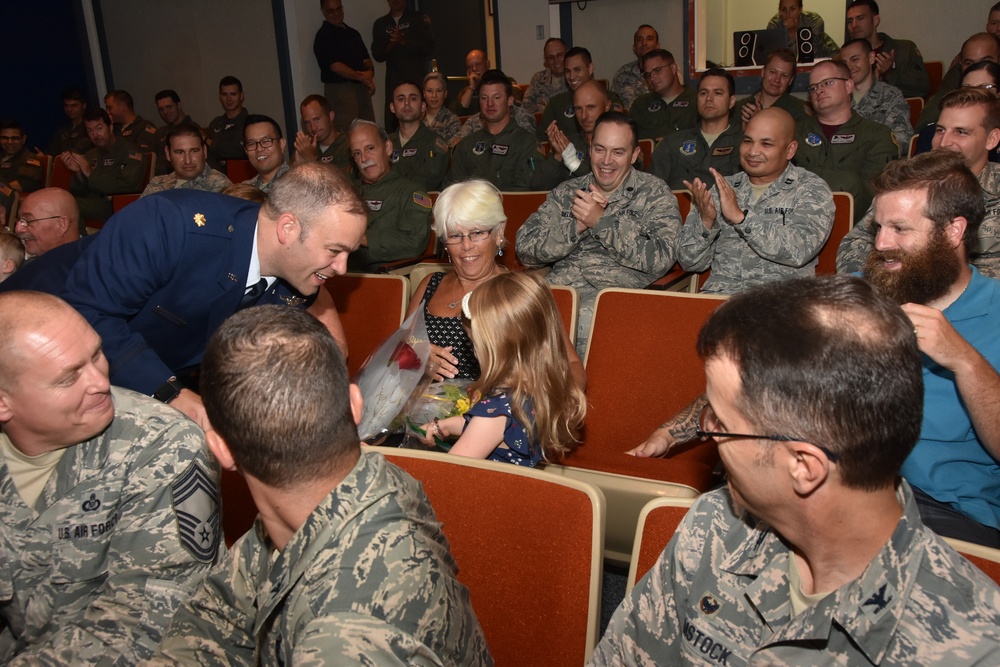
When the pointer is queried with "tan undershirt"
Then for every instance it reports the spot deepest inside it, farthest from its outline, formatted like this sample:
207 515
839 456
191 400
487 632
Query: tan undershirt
29 473
800 601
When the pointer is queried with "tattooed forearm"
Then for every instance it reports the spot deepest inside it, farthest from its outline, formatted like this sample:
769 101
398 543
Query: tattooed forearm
683 425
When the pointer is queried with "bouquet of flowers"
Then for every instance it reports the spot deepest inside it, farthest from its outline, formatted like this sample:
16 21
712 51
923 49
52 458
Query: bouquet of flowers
441 400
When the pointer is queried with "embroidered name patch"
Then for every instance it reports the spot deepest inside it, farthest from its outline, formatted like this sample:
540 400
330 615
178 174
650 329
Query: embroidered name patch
728 150
500 149
842 139
409 152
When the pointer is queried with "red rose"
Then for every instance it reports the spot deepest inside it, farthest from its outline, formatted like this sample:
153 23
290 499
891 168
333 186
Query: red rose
405 356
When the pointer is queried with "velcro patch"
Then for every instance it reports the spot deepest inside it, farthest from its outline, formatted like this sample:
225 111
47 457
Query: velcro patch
409 152
440 143
151 129
195 499
34 163
374 204
135 155
842 139
500 149
727 150
421 199
681 103
109 162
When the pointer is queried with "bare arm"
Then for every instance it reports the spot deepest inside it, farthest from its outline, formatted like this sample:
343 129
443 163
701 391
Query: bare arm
324 310
677 430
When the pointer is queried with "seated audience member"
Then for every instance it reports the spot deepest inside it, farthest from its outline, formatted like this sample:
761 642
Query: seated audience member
714 143
399 210
876 100
815 552
225 132
590 100
346 563
187 156
20 169
438 117
628 81
475 122
897 61
265 148
320 140
984 75
794 19
467 102
776 80
112 167
11 255
469 219
244 191
72 137
981 47
614 227
969 125
502 152
549 81
528 408
578 69
128 125
764 223
418 153
670 106
838 144
47 219
168 105
109 499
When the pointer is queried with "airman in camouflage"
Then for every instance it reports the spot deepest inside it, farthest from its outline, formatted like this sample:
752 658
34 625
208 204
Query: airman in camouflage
628 81
615 227
208 180
969 124
579 69
873 99
549 82
669 106
108 499
767 222
365 576
767 571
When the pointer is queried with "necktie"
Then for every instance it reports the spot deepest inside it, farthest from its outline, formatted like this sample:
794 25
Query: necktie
253 294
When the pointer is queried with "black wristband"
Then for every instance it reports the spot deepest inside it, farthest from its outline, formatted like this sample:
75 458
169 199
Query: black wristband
169 390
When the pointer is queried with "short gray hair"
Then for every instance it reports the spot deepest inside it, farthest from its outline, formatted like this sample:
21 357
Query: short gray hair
361 122
472 203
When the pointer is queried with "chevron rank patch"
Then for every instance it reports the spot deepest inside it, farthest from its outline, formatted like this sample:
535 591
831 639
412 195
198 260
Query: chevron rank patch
195 499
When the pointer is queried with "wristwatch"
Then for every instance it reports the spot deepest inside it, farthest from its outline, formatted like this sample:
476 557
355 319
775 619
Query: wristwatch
169 390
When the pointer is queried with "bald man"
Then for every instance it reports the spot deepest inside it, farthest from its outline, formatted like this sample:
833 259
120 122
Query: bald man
48 218
590 100
983 46
767 222
109 499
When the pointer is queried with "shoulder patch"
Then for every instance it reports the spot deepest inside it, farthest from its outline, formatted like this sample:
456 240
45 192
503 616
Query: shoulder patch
441 143
135 155
195 500
420 199
34 163
4 189
151 129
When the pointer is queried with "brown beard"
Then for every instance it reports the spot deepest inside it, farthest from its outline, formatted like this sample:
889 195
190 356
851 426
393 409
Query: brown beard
926 274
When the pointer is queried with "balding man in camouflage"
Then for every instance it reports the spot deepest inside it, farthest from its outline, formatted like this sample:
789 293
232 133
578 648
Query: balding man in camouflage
816 552
346 564
109 514
614 227
766 222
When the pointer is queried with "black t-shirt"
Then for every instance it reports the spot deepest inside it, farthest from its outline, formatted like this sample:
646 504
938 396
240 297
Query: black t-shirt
334 44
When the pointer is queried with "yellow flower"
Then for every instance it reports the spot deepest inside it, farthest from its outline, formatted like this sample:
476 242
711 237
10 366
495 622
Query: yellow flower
462 406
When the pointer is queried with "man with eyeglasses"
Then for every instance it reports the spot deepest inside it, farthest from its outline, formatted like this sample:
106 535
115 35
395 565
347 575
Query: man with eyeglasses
876 100
399 210
548 82
837 143
981 47
970 125
265 148
613 227
20 169
628 81
225 132
670 106
776 79
815 552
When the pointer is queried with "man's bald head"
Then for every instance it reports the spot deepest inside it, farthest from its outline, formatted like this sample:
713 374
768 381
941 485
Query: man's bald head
768 145
590 100
51 218
21 314
980 47
779 119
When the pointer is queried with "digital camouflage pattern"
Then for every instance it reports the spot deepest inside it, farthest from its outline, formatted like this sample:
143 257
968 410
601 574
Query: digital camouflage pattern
860 240
123 532
628 83
542 88
885 104
719 595
446 124
258 180
209 180
367 580
630 246
780 238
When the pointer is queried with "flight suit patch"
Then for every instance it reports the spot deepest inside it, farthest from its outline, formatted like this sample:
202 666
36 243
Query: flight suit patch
374 205
842 139
727 150
814 139
500 149
689 148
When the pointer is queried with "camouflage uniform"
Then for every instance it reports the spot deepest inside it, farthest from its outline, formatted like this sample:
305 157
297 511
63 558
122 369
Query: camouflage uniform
68 138
475 122
368 579
860 240
656 118
113 172
542 88
258 180
511 160
561 110
780 238
162 166
685 155
399 221
141 133
788 102
858 151
225 136
445 123
124 531
208 180
630 246
885 104
338 153
424 158
628 83
908 72
719 595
